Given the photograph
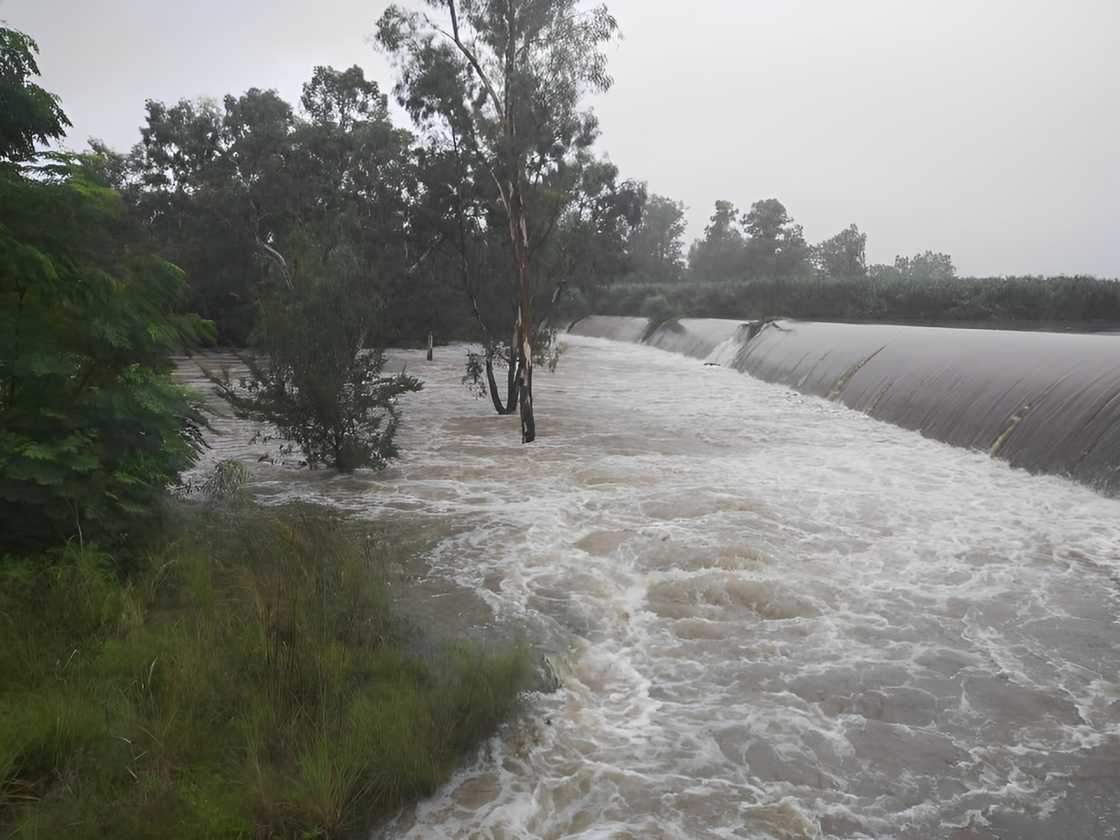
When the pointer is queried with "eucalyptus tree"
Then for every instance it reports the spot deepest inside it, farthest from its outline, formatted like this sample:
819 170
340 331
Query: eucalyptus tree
504 79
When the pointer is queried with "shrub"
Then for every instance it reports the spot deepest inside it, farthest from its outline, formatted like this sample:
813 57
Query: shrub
313 377
92 429
658 309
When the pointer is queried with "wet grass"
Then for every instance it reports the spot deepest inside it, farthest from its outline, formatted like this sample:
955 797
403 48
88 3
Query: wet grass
246 684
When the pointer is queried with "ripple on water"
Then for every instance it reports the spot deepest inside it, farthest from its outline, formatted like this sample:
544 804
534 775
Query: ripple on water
772 617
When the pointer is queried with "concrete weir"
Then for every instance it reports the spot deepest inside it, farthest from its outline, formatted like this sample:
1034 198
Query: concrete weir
1047 402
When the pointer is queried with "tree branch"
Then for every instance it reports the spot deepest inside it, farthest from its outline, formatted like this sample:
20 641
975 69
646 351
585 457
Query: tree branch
277 258
469 55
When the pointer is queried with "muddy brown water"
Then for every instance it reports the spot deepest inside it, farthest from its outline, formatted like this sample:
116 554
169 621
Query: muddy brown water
773 617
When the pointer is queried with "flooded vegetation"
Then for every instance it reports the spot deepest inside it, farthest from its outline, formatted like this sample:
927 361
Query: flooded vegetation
256 680
771 616
681 523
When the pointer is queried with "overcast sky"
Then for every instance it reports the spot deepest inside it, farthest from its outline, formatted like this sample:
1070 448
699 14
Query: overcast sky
988 129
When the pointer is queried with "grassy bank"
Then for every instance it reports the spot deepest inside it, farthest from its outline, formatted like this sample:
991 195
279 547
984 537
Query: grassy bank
958 300
247 683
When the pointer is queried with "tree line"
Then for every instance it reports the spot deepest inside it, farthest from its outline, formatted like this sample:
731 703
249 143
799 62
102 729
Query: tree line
763 242
758 264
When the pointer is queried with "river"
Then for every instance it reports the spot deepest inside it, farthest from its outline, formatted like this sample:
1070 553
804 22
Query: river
772 616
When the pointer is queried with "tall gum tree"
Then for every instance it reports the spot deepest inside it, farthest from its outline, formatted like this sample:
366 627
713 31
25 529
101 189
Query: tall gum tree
508 74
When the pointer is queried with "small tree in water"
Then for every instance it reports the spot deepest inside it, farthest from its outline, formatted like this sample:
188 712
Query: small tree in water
507 77
314 377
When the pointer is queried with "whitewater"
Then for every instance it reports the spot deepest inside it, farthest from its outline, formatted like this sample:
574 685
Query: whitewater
771 616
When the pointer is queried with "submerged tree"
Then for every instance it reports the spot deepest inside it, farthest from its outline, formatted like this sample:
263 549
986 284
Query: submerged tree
329 216
313 376
507 77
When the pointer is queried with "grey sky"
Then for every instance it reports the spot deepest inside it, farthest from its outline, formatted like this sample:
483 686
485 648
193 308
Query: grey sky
989 129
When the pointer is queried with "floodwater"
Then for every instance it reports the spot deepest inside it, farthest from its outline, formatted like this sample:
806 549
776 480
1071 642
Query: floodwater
772 616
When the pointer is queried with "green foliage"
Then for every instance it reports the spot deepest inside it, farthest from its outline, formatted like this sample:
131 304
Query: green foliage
249 683
314 378
92 430
926 267
28 114
889 297
497 86
656 245
721 253
844 255
658 309
224 189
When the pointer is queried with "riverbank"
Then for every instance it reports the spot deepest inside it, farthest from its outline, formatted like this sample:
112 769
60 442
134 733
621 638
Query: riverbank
254 678
1086 303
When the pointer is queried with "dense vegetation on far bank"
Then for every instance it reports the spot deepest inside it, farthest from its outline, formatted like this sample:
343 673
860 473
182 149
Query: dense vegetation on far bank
249 682
998 300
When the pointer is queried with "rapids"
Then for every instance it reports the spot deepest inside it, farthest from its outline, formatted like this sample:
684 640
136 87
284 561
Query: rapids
772 616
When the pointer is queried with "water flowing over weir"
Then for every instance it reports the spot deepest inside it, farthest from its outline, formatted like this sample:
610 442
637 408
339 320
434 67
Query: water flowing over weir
773 617
1049 402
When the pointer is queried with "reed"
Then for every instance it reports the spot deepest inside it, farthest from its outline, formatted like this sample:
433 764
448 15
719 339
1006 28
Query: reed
248 683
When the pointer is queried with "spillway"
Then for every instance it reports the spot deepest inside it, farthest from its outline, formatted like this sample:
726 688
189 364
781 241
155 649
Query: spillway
772 617
1048 402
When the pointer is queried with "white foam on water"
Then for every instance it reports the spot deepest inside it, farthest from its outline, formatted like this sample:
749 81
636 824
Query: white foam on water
773 617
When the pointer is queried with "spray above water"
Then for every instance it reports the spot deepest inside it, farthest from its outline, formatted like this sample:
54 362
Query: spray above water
772 616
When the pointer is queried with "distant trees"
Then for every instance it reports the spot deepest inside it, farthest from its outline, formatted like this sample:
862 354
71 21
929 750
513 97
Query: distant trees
656 247
765 242
775 245
926 267
843 255
721 254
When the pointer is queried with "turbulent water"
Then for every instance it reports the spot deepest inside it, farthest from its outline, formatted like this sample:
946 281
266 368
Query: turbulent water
1049 402
772 616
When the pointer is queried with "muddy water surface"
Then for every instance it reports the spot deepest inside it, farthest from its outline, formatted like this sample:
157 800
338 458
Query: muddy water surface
773 617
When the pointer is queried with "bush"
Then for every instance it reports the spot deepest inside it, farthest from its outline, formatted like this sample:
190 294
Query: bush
250 683
314 378
658 309
92 430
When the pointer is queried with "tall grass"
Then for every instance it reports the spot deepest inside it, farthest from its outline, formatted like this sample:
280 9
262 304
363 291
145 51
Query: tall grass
247 684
